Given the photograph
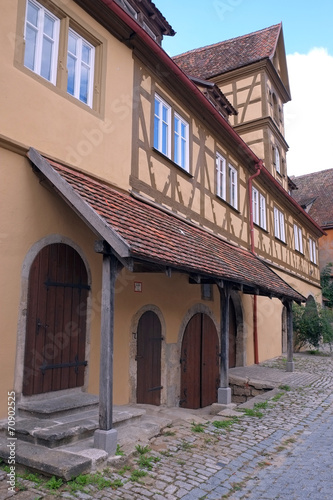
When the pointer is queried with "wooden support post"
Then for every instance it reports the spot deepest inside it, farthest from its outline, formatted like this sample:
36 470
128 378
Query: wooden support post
105 437
290 336
224 391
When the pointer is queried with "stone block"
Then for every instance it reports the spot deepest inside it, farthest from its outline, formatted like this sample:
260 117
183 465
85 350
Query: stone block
239 399
224 395
241 391
50 462
106 440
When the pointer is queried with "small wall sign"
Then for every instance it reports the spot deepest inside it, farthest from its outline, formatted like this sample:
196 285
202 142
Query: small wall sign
138 286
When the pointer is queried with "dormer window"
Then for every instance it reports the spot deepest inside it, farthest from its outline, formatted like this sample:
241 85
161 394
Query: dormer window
149 31
129 9
148 17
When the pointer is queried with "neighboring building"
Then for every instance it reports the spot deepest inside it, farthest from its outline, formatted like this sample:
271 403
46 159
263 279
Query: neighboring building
104 138
314 192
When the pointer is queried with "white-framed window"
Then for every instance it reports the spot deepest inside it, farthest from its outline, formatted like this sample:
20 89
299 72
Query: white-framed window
255 205
298 238
221 181
258 208
80 68
162 126
41 41
312 251
262 211
181 144
233 187
277 160
279 226
167 124
45 39
129 9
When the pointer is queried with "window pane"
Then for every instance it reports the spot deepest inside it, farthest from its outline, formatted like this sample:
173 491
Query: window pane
32 14
183 153
71 74
165 138
165 113
72 43
86 53
48 26
156 128
30 48
84 84
300 237
176 155
46 59
157 107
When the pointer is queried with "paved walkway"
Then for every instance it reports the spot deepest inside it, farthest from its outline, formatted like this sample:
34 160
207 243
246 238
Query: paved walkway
281 449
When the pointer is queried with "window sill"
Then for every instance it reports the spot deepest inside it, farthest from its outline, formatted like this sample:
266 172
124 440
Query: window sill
280 241
227 203
188 174
261 228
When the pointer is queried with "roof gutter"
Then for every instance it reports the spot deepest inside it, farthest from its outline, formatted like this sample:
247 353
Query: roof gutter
259 168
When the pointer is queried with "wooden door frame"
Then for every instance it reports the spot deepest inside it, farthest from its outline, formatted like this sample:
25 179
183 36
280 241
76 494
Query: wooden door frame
133 350
22 314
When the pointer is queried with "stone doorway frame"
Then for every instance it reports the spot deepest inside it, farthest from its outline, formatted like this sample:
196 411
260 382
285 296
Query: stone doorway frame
22 313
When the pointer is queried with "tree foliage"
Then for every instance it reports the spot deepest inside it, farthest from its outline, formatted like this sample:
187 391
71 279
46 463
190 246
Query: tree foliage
313 325
326 282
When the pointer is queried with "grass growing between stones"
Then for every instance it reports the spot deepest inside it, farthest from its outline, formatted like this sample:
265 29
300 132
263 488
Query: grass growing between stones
81 482
197 427
225 424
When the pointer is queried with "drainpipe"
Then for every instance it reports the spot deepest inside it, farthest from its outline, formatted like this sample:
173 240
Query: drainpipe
259 166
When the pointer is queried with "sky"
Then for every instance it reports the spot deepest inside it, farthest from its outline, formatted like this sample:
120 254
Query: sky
308 36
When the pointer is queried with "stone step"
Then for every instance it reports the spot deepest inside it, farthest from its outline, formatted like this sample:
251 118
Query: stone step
69 428
50 462
57 405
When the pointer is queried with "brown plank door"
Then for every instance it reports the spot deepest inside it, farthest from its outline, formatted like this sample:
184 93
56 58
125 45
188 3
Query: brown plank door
232 334
200 373
56 321
149 344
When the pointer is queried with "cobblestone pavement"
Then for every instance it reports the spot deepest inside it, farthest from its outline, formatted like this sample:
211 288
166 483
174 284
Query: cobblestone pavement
282 448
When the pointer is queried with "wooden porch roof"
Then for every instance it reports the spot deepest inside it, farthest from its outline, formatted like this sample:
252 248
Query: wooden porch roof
139 231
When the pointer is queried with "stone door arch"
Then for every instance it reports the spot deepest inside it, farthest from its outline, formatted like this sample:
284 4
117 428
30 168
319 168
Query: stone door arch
55 341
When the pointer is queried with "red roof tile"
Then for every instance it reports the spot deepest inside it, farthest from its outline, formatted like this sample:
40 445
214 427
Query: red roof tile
315 193
221 57
156 236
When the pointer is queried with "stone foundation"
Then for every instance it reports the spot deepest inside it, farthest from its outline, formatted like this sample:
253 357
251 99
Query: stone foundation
244 389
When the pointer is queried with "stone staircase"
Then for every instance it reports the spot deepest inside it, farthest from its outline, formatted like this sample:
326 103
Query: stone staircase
55 436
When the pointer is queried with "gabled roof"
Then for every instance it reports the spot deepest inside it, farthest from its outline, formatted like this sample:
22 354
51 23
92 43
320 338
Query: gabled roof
315 194
137 230
212 60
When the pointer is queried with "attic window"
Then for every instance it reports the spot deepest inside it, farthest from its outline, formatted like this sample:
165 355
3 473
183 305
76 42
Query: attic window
149 31
129 9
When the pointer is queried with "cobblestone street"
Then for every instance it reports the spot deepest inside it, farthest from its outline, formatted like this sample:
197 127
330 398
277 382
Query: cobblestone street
281 448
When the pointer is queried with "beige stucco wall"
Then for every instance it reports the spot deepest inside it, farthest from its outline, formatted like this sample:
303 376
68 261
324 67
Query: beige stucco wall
34 214
55 123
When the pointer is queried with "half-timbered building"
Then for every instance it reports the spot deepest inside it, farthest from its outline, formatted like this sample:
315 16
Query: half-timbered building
148 239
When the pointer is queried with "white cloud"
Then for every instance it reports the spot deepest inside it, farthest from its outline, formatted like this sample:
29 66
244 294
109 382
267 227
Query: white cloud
309 115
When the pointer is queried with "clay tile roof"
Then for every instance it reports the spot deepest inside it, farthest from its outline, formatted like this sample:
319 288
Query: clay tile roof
221 57
315 193
153 235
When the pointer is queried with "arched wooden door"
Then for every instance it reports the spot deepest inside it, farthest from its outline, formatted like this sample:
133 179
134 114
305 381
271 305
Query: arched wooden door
149 344
56 321
232 334
200 372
